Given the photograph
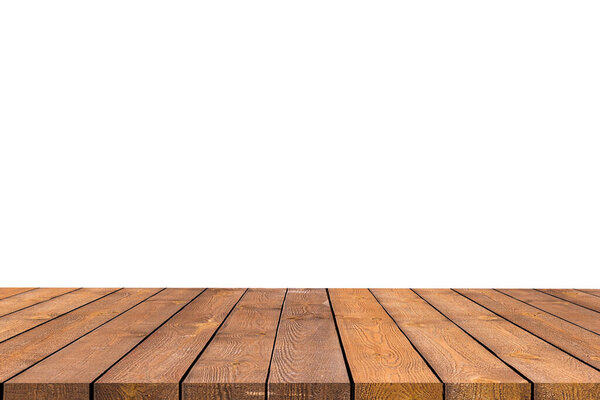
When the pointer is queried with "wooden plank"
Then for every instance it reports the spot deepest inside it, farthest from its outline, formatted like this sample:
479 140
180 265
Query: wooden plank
67 374
307 358
593 292
581 298
468 370
581 316
574 340
383 363
555 374
235 364
28 348
154 369
20 321
29 298
7 292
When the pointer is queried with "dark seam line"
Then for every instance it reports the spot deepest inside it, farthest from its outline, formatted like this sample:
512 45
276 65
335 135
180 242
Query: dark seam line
570 301
60 315
591 294
531 333
85 334
39 302
274 342
187 372
478 341
548 312
16 294
337 329
413 346
43 323
140 342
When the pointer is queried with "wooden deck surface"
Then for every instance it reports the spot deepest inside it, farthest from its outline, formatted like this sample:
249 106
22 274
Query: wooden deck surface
244 344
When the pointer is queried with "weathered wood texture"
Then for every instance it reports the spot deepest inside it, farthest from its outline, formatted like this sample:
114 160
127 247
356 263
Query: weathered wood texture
305 344
576 341
566 310
307 359
382 361
7 292
155 368
555 374
235 364
468 370
75 367
29 298
20 321
581 298
30 347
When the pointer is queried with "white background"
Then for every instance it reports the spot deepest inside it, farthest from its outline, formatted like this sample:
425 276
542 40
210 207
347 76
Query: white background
300 143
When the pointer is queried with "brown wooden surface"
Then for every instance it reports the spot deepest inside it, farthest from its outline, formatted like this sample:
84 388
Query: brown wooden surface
155 368
305 344
595 292
235 364
581 298
29 298
78 365
574 340
382 362
566 310
20 321
7 292
555 374
28 348
307 358
468 370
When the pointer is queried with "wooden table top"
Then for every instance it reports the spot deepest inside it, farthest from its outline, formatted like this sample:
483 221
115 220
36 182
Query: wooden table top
242 344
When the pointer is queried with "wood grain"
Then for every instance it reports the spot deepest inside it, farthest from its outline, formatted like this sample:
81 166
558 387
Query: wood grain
30 347
566 310
7 292
555 374
80 363
307 359
29 298
468 370
574 340
383 363
581 298
306 344
20 321
154 369
235 364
